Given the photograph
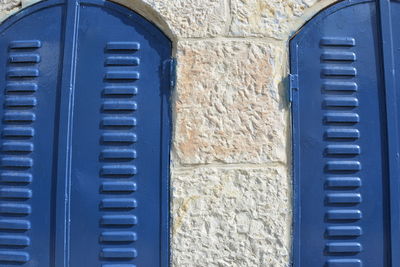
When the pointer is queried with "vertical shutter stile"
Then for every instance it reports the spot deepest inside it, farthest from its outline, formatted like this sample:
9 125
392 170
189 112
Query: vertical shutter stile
66 112
388 60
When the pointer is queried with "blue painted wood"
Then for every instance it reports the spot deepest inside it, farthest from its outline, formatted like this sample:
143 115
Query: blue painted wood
345 136
29 109
84 163
145 113
388 48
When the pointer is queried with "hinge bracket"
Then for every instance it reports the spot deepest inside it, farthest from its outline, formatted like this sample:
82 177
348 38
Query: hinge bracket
172 73
293 85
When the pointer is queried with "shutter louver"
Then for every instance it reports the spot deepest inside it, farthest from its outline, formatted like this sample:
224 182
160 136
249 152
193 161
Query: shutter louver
340 229
16 157
118 158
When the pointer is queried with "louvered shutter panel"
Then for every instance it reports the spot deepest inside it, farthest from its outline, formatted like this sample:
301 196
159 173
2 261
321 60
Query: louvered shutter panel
85 136
116 164
29 75
342 216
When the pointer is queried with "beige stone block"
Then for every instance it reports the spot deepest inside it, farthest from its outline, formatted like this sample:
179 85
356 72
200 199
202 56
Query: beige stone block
231 217
8 7
186 18
272 18
230 103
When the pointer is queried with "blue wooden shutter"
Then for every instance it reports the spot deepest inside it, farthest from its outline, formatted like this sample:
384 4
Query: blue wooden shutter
118 128
85 137
345 145
29 78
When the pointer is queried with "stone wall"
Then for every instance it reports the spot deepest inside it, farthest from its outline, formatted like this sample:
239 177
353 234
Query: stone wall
230 169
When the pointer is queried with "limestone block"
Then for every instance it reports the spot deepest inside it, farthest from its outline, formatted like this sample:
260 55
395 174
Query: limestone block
187 18
8 7
230 102
272 18
231 217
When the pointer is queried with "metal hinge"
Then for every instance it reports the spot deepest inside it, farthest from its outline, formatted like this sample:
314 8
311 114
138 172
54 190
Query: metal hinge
293 85
172 73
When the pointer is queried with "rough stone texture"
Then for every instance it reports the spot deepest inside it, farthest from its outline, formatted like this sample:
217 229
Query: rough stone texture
8 7
231 189
229 107
272 18
231 217
194 18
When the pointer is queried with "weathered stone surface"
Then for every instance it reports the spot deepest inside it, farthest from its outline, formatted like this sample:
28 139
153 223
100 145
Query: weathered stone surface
8 7
189 18
273 18
229 104
231 217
